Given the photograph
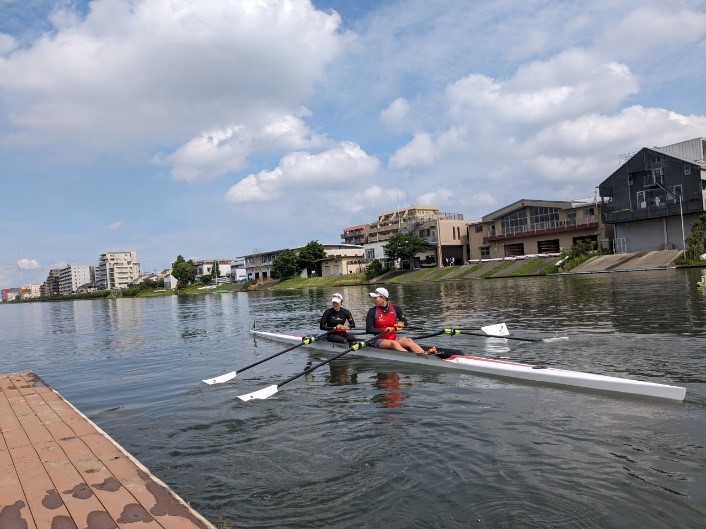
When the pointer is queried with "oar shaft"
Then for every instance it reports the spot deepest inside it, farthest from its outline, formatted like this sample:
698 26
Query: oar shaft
281 352
354 347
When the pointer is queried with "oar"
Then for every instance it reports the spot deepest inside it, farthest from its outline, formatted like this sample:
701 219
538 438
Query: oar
498 330
230 376
267 392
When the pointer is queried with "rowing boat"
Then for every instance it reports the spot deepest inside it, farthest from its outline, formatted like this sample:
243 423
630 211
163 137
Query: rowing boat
456 359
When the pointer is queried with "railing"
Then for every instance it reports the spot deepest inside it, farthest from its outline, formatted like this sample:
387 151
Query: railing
652 211
542 228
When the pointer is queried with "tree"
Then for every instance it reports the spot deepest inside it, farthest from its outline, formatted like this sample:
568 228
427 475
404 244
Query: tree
285 265
374 269
308 256
405 246
696 241
183 271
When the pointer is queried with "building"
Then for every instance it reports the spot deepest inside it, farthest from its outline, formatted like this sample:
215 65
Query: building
342 259
72 277
29 291
117 270
655 196
401 219
226 268
355 234
237 270
447 235
529 227
50 287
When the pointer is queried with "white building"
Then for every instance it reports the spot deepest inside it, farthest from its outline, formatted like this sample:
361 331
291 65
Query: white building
117 270
71 277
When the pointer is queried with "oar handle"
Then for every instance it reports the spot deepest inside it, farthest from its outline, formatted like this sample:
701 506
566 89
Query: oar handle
305 340
354 347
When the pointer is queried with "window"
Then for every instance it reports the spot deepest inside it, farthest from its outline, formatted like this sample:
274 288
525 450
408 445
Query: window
543 217
485 251
629 179
479 228
514 222
641 202
589 212
370 254
687 169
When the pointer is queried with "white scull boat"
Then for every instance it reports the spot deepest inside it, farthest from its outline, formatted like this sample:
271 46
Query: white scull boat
455 359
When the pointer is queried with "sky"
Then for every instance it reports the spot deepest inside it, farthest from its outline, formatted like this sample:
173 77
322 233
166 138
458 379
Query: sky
216 128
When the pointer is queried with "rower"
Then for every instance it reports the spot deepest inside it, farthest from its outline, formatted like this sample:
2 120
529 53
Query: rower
338 321
387 319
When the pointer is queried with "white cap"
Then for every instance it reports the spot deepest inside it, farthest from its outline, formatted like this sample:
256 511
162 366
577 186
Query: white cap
380 292
337 298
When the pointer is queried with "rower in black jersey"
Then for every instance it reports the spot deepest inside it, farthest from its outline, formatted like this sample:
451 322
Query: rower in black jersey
338 320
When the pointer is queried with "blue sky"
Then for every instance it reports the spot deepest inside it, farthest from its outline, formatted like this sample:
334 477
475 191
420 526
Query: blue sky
212 128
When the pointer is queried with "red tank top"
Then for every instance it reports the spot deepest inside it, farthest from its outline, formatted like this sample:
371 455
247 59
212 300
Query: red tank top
386 319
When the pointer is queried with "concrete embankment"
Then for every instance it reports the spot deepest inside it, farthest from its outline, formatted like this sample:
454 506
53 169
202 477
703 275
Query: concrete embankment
657 260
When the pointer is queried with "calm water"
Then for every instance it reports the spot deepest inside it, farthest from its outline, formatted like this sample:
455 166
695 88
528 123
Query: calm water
369 444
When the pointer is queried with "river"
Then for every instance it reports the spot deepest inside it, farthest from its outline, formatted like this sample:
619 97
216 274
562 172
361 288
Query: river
369 444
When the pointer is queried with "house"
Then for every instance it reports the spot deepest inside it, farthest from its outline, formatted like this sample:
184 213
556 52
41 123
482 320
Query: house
655 196
529 227
342 259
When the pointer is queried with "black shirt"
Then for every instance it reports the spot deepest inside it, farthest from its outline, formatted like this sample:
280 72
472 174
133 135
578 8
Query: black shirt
331 318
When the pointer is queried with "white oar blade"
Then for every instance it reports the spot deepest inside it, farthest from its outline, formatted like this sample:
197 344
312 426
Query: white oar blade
261 394
499 329
556 339
221 379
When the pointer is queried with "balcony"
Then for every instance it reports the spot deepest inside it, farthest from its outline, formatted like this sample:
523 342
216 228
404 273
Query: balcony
670 209
546 228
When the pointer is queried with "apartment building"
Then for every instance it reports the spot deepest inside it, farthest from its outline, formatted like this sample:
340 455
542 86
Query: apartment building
117 270
355 234
50 287
71 277
406 219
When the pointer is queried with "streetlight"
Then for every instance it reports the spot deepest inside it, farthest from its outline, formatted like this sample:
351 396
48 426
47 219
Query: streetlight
681 210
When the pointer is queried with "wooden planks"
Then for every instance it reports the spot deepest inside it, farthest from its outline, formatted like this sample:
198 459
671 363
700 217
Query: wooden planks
59 470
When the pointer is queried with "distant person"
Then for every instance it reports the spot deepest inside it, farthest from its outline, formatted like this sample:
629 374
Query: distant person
387 318
338 320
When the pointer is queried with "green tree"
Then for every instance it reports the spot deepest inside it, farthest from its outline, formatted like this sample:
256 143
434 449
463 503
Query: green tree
285 265
309 255
405 246
183 270
696 241
374 269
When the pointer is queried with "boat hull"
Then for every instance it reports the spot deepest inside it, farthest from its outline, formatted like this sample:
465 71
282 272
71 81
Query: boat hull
455 359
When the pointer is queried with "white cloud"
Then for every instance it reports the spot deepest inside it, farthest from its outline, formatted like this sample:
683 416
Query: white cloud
28 264
421 151
303 172
649 30
115 226
7 43
222 151
192 66
396 115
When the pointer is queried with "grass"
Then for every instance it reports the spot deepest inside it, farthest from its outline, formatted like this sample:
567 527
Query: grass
469 271
440 273
502 266
529 265
328 281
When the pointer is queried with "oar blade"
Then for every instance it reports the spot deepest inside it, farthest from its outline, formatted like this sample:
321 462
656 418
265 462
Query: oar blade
555 339
260 394
221 379
499 329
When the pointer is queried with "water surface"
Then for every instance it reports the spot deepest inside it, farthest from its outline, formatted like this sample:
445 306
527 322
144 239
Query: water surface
363 443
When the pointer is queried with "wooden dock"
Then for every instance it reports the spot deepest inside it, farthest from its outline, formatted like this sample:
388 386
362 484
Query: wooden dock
58 470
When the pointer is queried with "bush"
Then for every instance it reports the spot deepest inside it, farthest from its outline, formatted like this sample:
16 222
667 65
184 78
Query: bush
374 269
